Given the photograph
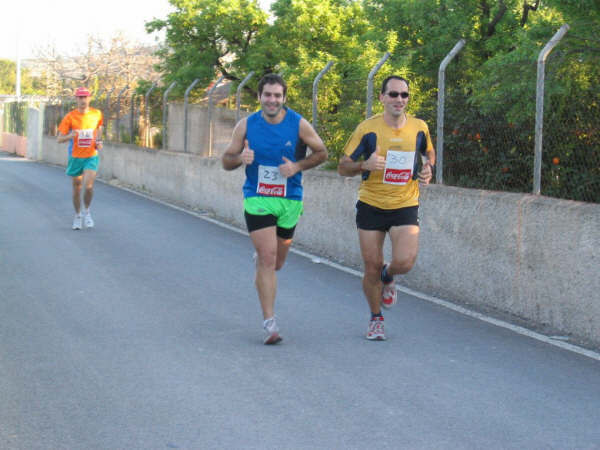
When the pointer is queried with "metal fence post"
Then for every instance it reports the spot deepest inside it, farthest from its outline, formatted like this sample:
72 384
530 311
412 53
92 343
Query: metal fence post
147 114
539 107
165 106
372 73
238 95
315 90
185 113
131 118
229 95
97 98
107 113
118 120
210 108
439 160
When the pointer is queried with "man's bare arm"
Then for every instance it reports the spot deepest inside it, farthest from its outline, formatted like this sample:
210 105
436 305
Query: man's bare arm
310 137
232 158
347 167
99 143
66 137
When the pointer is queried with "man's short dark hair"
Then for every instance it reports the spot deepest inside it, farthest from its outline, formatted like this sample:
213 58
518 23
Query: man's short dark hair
271 78
392 77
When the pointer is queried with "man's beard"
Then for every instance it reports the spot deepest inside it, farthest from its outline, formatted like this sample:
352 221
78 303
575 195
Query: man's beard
275 111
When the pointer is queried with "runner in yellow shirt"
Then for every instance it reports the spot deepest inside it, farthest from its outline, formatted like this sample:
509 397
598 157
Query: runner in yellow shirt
82 128
387 150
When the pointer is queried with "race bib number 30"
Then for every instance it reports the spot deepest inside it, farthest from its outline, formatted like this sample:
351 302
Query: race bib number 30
398 167
85 138
270 182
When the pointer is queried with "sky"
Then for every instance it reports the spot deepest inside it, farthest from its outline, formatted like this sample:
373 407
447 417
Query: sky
65 24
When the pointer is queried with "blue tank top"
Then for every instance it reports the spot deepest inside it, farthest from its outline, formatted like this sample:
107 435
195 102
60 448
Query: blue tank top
270 142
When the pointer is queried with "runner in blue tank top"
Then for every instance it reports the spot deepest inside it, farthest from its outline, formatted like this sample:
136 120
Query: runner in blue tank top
272 145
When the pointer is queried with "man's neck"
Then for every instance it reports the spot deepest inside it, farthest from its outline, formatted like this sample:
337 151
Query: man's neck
395 121
83 110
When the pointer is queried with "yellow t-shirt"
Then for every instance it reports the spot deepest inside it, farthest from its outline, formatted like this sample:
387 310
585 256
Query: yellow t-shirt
86 125
400 147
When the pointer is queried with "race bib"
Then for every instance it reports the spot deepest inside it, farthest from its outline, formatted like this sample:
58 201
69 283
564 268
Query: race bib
85 138
398 167
270 182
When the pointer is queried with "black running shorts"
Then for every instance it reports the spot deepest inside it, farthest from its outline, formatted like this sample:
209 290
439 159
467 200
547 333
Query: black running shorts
255 222
371 218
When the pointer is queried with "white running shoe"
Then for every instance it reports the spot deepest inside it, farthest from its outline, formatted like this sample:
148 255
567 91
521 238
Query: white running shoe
77 222
88 221
271 330
376 332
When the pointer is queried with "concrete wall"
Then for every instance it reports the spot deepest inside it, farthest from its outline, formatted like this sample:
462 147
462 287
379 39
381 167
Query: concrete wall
535 258
13 143
198 130
35 129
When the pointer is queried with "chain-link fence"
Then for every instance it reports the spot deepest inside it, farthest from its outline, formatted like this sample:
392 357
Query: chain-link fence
571 136
486 146
13 117
488 134
53 114
489 140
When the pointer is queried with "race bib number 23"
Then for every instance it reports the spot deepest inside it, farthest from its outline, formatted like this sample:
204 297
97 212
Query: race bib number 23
270 182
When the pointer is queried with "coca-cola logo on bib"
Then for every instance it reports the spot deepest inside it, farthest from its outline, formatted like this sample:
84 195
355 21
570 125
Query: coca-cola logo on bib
397 175
271 190
85 138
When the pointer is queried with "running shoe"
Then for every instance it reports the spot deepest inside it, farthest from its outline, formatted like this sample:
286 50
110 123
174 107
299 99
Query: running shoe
271 332
375 332
389 297
88 221
77 222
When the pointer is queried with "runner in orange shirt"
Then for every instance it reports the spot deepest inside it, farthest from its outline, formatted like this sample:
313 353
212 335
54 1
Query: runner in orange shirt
82 128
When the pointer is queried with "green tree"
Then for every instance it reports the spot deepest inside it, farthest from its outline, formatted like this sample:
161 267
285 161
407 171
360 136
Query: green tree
490 89
205 37
8 80
491 85
309 34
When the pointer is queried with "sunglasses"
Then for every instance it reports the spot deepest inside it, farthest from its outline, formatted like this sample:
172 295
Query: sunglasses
395 94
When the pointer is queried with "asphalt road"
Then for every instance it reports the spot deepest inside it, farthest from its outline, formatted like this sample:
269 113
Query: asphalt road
145 333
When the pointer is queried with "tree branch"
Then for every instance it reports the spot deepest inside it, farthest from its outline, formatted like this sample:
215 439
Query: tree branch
526 8
491 28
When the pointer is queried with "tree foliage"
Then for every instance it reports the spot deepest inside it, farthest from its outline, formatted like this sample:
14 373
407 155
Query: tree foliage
8 80
208 36
491 84
107 65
